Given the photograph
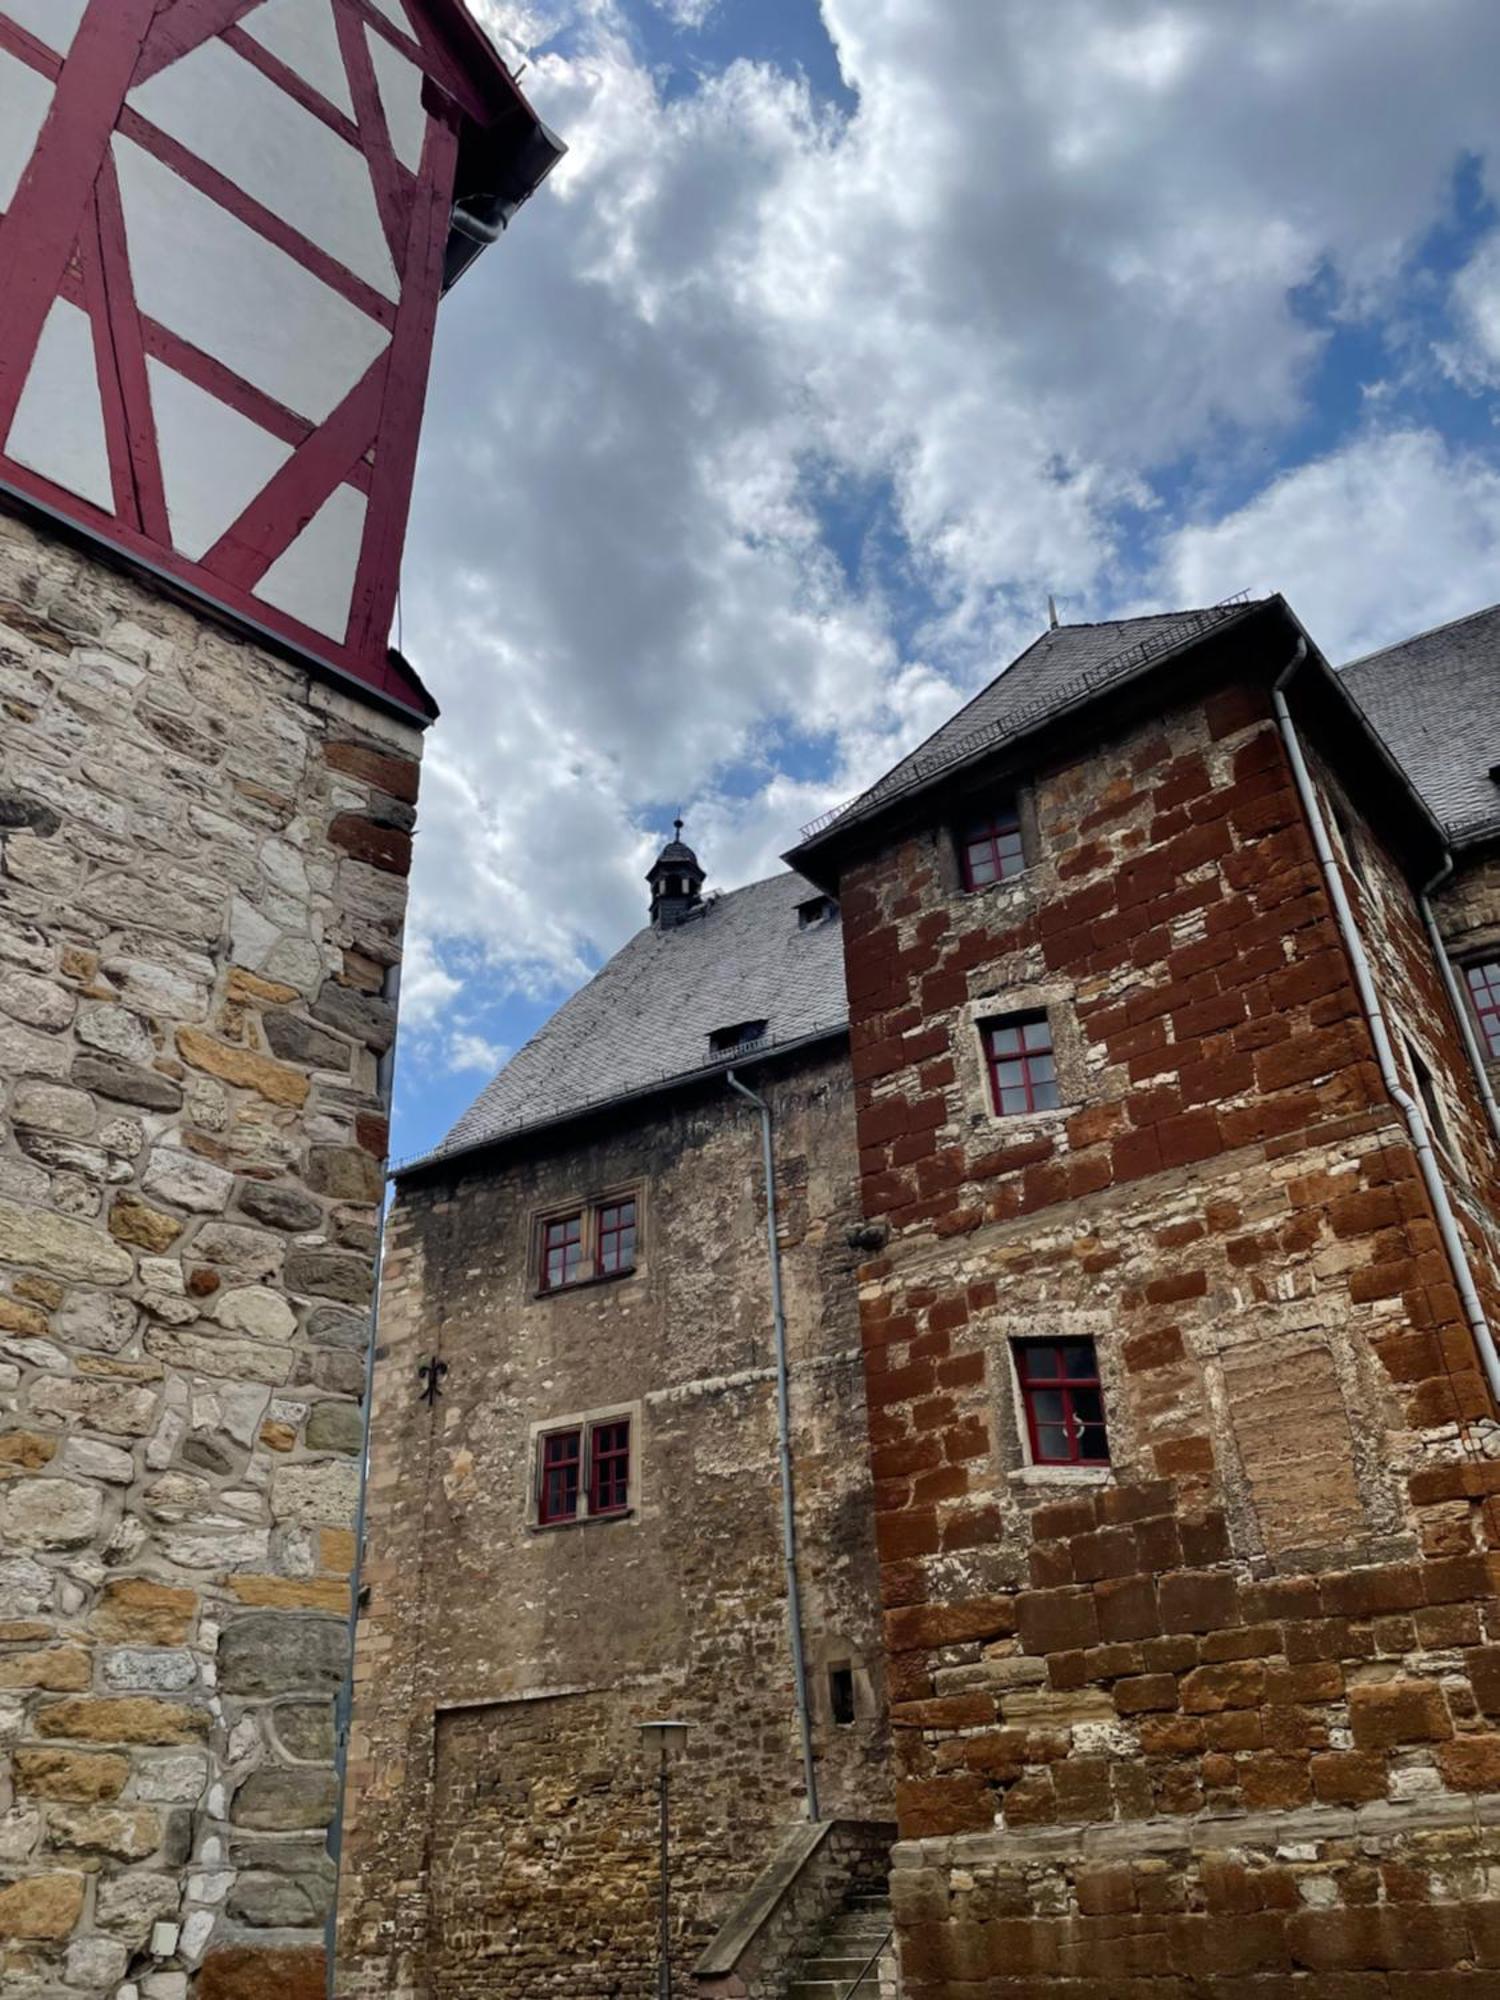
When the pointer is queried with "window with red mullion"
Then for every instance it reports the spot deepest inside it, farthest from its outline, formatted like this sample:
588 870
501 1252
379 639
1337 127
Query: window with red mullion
617 1236
562 1251
562 1463
991 849
1484 991
1064 1403
1023 1075
609 1483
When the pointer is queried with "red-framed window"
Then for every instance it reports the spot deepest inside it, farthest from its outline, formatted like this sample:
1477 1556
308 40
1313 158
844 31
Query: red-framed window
990 848
598 1241
562 1251
617 1236
1484 991
1023 1074
609 1477
1063 1401
561 1465
583 1471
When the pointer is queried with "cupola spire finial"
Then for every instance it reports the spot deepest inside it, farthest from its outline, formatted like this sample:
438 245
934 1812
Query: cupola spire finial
676 880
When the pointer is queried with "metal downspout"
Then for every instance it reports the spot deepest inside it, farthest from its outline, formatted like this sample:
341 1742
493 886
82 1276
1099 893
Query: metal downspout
784 1449
1369 999
385 1076
1460 1005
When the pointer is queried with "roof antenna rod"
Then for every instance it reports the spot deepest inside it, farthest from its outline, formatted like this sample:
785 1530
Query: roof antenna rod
1051 612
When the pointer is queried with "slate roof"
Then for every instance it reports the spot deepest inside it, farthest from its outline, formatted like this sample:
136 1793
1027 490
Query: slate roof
1067 664
645 1018
1435 701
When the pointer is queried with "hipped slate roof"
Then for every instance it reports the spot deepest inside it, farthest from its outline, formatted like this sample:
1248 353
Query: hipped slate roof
645 1019
1435 700
1065 665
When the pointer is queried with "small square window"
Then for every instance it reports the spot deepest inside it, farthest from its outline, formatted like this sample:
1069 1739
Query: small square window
562 1251
990 847
1483 981
1023 1073
1431 1107
1063 1401
598 1241
816 910
841 1695
739 1035
562 1461
583 1471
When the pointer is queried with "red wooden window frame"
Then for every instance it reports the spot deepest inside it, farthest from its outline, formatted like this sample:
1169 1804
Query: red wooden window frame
609 1467
1019 1056
1483 981
602 1237
560 1478
560 1237
990 848
583 1472
1067 1370
616 1250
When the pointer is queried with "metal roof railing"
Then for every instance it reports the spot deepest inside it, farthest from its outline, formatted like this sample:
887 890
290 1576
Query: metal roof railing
914 771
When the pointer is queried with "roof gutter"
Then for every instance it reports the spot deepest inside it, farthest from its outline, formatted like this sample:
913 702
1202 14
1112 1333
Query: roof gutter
1385 1056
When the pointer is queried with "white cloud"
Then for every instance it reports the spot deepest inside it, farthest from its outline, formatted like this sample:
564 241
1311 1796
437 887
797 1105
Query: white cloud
468 1051
1050 254
1397 532
1474 358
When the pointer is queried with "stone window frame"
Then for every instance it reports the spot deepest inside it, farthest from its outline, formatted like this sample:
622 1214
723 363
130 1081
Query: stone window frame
973 805
1068 1055
1486 957
1430 1085
588 1209
1013 1437
584 1422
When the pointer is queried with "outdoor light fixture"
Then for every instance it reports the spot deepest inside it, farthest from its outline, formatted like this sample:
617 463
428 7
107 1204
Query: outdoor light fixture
666 1739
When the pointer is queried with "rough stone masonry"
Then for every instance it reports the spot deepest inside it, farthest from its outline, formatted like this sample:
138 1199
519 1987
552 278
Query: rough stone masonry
202 862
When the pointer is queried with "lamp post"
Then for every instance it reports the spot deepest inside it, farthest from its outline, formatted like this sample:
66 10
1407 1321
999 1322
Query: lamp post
666 1739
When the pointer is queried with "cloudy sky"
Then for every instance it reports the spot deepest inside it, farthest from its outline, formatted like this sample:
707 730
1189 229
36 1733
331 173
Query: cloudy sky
849 329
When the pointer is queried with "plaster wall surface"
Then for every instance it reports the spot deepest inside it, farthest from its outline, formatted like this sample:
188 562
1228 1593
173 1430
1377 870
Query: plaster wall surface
202 860
503 1838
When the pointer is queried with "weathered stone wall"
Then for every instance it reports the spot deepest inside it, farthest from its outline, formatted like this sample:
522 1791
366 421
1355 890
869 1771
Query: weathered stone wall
503 1838
201 900
1220 1719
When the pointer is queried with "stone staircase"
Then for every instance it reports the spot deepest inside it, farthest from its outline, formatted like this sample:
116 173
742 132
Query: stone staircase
831 1968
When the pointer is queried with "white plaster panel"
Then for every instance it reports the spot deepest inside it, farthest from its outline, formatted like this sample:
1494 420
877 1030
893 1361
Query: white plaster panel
314 577
24 99
302 34
58 429
220 107
401 99
213 460
217 283
54 22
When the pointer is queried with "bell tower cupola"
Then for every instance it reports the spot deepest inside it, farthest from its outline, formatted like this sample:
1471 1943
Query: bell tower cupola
676 883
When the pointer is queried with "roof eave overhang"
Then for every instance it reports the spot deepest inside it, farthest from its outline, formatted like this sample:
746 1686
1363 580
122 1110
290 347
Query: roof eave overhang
432 1165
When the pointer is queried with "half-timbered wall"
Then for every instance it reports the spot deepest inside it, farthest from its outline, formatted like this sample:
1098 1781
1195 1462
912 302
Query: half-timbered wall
220 258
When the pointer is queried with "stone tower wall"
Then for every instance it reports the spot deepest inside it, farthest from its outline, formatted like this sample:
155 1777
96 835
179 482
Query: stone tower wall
202 853
504 1822
1223 1720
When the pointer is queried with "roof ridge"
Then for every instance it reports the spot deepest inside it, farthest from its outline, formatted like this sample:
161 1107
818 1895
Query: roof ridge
1428 632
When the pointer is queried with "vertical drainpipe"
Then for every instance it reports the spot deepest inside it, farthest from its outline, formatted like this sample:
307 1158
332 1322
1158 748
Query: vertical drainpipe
1385 1056
385 1072
784 1449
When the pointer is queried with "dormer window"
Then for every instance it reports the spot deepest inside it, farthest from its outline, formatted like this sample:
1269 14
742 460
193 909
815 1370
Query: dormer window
989 846
816 910
740 1035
